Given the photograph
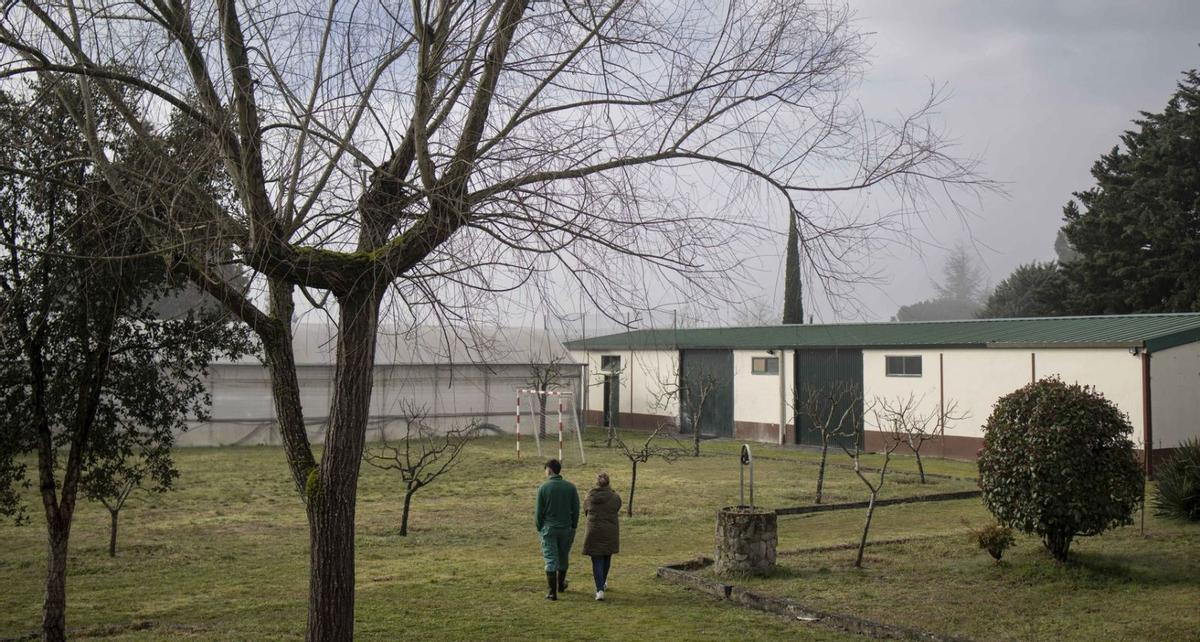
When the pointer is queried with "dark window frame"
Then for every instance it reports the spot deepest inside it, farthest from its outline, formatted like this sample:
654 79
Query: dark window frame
903 365
770 365
610 362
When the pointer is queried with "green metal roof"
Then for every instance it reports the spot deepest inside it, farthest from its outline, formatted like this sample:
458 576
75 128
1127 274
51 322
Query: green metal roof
1150 331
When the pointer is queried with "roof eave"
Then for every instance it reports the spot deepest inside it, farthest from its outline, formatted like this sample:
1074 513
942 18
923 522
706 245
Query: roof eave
1048 345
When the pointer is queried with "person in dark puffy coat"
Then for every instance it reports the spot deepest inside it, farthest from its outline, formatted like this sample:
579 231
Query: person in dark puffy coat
603 540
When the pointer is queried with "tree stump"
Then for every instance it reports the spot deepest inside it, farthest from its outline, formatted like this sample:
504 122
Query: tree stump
746 541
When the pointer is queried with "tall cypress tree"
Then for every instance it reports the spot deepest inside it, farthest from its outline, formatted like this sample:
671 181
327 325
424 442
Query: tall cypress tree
793 288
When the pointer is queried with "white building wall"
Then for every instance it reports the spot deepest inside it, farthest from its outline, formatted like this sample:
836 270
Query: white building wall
878 388
644 378
1175 395
756 396
976 378
453 396
1113 371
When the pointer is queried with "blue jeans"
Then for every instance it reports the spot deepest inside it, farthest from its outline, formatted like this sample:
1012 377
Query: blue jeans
600 566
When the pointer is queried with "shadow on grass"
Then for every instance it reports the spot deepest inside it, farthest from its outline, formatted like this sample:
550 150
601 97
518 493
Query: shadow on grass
1097 571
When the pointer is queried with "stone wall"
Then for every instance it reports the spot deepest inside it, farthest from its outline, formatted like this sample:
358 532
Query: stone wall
746 540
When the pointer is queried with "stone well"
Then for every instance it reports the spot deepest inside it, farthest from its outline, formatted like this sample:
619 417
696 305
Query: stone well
746 541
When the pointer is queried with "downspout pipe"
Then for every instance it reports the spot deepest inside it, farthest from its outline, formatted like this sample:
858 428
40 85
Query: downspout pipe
782 396
1147 417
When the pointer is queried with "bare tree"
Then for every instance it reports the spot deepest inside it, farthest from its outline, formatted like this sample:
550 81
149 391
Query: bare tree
687 396
755 312
430 155
645 452
836 413
873 488
421 457
545 376
903 422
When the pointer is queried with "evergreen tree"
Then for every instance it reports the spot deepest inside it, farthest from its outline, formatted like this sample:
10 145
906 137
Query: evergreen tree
1032 290
1137 232
793 287
93 385
962 280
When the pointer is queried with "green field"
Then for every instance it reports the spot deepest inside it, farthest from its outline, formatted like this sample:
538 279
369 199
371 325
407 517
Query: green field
224 556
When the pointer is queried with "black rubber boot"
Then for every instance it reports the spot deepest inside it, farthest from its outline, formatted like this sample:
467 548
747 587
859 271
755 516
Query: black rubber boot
552 582
562 581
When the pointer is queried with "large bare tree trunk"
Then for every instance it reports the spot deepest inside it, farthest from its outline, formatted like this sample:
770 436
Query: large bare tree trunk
285 386
332 498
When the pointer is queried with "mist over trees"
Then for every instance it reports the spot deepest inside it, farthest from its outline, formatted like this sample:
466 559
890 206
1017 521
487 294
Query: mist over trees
959 293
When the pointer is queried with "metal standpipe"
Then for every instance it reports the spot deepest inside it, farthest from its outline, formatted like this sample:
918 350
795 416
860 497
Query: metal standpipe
747 461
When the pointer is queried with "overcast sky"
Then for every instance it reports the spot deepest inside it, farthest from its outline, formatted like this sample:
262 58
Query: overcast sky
1038 89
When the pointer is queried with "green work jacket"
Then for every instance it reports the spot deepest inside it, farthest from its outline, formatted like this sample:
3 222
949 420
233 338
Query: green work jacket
557 504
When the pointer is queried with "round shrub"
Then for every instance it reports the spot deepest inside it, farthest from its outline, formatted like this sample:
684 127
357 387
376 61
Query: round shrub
1178 492
995 539
1057 461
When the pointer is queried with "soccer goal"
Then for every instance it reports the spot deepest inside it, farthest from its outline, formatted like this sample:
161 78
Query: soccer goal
544 406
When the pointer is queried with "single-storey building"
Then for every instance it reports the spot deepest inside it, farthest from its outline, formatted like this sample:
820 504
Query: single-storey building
454 378
1148 364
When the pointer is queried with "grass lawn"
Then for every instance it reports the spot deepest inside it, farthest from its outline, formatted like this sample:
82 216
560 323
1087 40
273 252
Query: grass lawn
1119 586
224 556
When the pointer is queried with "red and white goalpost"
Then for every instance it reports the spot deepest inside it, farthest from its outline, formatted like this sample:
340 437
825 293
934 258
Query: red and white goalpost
567 418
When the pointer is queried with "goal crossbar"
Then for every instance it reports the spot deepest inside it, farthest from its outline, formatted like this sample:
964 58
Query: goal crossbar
563 396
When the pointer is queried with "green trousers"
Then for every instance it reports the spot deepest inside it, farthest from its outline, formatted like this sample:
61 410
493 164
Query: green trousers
556 548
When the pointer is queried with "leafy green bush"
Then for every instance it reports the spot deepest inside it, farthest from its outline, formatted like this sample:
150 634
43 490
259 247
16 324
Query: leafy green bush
1178 492
994 538
1057 461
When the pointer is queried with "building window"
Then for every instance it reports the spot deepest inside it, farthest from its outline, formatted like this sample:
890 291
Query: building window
610 363
764 365
903 366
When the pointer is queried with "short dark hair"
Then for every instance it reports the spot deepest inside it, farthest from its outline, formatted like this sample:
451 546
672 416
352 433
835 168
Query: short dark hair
554 465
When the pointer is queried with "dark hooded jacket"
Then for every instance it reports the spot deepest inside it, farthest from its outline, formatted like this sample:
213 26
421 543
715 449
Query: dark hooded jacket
602 507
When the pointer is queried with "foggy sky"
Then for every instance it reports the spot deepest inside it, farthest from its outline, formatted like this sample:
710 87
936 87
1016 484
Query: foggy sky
1037 89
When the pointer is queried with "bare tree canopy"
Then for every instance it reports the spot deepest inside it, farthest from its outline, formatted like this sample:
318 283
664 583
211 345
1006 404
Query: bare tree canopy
836 413
422 456
432 154
649 449
912 422
472 143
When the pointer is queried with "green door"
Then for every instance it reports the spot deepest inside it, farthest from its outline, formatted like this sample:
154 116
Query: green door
837 377
706 392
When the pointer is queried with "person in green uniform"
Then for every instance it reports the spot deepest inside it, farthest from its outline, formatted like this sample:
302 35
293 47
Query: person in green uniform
556 517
